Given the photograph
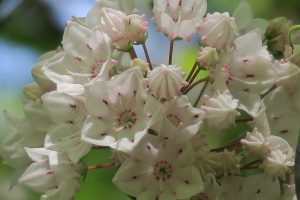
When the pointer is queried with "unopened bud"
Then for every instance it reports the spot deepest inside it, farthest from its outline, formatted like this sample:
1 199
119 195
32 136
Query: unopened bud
208 57
277 35
141 64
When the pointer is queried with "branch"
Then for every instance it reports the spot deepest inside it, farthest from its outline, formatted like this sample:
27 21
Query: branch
147 55
102 166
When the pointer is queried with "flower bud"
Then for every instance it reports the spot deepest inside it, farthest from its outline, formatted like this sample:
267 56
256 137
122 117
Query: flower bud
165 82
277 35
208 57
37 73
218 31
136 28
32 92
122 29
141 64
112 23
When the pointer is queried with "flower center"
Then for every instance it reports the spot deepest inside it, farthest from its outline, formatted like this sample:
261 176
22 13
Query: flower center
126 119
162 170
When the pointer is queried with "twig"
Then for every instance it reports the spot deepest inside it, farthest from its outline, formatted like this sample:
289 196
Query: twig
171 52
147 55
192 71
243 120
132 53
250 165
101 166
187 89
201 93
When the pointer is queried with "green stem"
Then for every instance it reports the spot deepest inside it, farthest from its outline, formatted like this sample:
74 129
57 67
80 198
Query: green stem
193 85
192 71
201 93
291 31
101 166
244 120
250 165
132 53
171 52
147 56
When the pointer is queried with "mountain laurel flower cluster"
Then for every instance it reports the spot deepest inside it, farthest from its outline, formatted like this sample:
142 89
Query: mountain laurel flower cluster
226 129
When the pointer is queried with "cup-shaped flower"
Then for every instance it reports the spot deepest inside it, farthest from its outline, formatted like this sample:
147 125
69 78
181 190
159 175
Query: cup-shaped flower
123 29
11 146
42 81
86 55
136 28
218 31
126 6
51 173
178 18
208 57
277 164
256 143
165 82
220 110
69 114
281 157
160 169
250 68
118 110
192 119
258 186
283 115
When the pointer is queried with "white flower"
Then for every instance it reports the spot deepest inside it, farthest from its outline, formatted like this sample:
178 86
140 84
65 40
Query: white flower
255 143
86 55
51 173
220 111
212 190
165 82
253 186
277 143
159 169
69 114
32 92
93 15
141 64
288 75
277 164
122 29
283 115
36 115
37 74
118 110
280 158
249 70
208 57
218 31
136 28
188 122
22 134
177 18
